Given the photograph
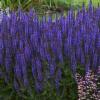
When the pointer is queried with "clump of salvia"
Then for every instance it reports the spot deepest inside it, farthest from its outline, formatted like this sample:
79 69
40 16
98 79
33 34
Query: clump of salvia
33 52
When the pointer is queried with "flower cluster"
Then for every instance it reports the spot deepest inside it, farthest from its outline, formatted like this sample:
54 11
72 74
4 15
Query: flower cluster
88 86
36 50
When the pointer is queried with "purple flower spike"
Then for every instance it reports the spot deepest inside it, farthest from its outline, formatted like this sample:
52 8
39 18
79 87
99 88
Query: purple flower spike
27 53
38 86
58 78
16 85
1 57
39 69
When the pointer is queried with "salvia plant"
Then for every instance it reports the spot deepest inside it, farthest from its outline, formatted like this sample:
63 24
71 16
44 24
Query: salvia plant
35 54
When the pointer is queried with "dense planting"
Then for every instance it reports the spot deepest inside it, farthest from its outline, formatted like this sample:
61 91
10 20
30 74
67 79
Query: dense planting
34 53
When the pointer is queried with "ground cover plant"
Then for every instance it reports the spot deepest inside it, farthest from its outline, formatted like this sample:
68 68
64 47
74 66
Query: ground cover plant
39 59
89 86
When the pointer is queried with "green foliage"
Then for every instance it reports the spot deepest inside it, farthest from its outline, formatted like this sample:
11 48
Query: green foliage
14 4
40 5
67 90
81 70
68 3
56 4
